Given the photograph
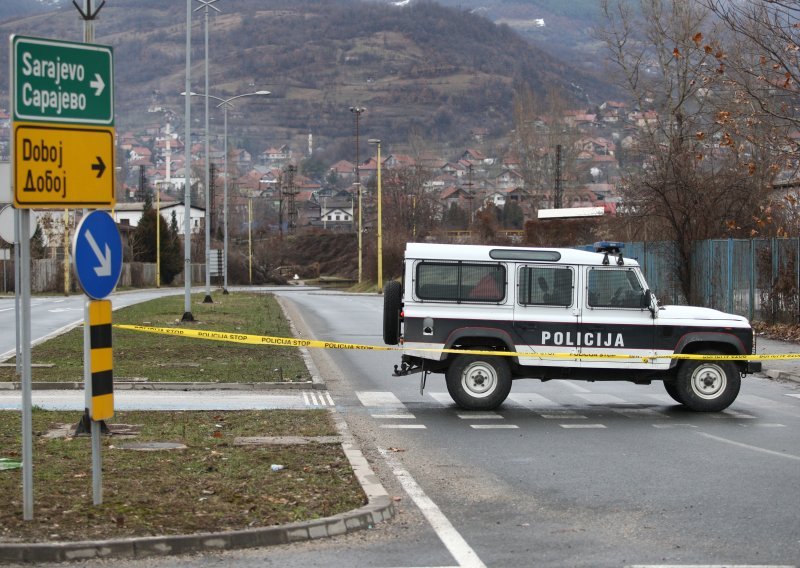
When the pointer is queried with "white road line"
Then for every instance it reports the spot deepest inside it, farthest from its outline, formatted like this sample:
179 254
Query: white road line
641 413
674 426
563 416
794 395
730 414
493 426
408 416
582 426
749 447
378 398
450 537
479 416
404 426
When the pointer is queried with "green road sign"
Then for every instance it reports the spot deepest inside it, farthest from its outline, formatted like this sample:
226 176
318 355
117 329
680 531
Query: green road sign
59 81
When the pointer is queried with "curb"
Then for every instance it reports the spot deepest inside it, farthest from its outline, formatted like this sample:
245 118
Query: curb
777 375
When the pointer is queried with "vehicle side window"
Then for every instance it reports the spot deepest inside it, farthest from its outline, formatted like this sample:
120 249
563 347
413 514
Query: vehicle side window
614 288
461 282
545 286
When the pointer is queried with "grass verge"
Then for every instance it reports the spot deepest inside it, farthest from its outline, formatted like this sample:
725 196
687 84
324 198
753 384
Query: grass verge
166 358
211 485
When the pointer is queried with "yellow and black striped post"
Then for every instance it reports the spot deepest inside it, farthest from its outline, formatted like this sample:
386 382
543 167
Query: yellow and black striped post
102 367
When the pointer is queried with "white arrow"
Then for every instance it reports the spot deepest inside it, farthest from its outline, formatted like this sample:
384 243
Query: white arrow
105 259
98 84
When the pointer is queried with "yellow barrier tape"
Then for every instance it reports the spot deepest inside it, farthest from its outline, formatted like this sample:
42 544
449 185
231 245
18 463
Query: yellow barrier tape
316 344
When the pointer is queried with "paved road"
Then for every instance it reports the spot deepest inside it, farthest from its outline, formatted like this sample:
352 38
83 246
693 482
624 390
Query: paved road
564 474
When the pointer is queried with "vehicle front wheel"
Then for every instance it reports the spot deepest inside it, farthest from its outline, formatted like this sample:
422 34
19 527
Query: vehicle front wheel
392 303
478 382
705 385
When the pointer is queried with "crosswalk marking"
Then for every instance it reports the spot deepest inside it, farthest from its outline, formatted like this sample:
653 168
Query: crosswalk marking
794 395
386 407
312 398
379 398
479 416
406 416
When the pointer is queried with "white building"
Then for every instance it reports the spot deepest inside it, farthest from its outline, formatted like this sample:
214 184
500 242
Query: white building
131 213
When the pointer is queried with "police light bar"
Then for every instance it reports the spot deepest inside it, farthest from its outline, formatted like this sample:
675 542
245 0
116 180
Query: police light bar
608 246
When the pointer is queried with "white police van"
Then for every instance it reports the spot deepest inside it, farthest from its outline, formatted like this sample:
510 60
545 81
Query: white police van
563 314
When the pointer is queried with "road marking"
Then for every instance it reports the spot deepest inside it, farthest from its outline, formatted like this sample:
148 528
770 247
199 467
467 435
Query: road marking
408 416
794 395
378 398
404 426
450 537
480 416
493 426
674 426
730 414
565 415
312 398
582 426
641 413
749 447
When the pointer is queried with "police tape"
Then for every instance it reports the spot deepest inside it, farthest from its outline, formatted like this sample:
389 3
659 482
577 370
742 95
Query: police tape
251 339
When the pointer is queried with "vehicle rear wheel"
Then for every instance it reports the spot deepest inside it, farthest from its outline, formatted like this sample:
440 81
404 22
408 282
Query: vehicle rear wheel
706 385
478 382
392 301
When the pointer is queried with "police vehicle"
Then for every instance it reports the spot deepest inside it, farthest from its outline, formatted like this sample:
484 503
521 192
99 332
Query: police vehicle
555 314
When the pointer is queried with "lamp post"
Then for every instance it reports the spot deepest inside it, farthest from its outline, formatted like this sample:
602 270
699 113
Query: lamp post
380 218
206 4
187 186
357 112
225 103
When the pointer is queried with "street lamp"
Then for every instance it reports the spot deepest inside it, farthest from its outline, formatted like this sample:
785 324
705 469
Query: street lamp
357 112
225 103
206 4
380 218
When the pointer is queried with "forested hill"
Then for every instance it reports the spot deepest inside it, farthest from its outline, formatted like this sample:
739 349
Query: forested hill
422 68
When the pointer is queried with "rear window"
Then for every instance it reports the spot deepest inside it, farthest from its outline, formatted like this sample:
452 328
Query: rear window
461 282
545 286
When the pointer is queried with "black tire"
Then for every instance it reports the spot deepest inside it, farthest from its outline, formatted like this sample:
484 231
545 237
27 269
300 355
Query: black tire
478 382
392 302
707 386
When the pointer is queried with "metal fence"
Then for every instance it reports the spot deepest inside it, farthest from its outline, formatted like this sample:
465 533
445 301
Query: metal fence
755 278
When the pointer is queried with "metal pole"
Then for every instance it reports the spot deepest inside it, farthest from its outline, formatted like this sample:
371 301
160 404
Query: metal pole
357 112
158 238
17 280
207 299
380 225
250 238
187 186
225 208
27 406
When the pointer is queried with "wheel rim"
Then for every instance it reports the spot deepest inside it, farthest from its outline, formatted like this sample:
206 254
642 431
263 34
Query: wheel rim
709 381
479 379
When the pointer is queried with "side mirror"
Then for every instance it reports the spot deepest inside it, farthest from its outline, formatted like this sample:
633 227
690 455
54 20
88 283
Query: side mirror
647 301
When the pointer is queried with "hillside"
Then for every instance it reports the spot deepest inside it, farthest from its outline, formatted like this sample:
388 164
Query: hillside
425 70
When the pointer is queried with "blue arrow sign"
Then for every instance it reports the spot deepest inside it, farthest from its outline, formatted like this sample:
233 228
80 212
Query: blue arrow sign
97 250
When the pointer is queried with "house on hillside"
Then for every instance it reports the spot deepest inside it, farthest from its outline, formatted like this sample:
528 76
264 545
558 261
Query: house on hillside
129 214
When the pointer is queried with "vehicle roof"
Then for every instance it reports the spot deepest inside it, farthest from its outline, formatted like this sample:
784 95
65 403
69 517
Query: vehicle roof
430 251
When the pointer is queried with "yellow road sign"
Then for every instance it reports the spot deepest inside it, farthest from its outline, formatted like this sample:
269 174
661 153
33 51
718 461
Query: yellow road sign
62 166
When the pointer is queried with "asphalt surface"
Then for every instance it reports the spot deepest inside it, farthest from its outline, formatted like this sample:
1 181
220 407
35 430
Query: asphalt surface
514 506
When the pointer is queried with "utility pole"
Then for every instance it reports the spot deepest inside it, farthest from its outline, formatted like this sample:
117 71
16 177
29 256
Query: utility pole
357 112
559 189
291 191
187 176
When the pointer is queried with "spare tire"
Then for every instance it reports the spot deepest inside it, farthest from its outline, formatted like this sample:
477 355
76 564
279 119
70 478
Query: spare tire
392 302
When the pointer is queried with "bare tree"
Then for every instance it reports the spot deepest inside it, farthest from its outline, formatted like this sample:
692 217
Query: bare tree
698 177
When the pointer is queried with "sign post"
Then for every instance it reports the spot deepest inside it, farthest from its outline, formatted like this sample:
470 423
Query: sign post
62 101
97 250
